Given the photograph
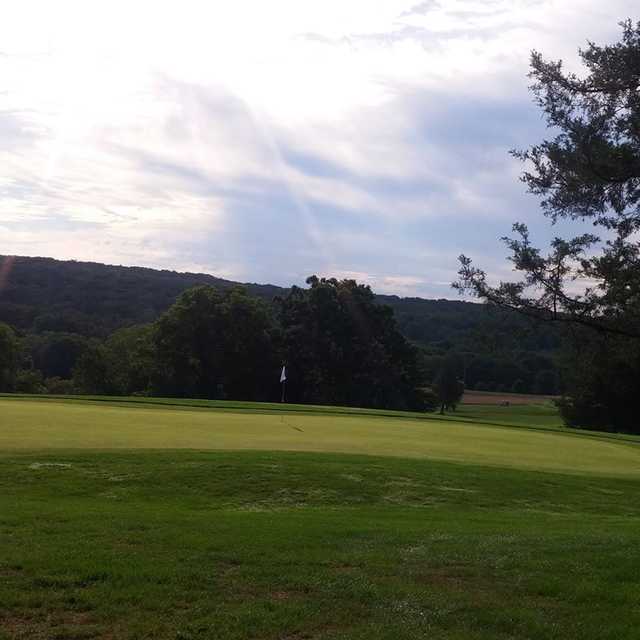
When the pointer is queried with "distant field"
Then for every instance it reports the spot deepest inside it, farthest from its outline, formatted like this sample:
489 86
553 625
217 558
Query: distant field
134 520
499 398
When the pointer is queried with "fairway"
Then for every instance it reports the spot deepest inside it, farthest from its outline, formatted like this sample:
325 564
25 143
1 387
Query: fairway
76 425
131 521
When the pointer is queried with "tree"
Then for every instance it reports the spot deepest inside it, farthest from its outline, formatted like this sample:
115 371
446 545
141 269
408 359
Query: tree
29 381
546 382
341 347
589 171
132 359
448 387
212 345
9 351
56 354
94 372
604 382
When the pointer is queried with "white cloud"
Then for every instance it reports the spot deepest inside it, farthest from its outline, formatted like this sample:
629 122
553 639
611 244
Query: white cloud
220 135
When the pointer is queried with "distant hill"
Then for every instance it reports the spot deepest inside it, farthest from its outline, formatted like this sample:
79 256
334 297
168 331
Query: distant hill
89 298
40 295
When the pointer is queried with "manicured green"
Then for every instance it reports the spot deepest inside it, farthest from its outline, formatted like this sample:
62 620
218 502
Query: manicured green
450 531
32 424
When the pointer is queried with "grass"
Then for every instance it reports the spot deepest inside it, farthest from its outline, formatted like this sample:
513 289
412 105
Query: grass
531 415
74 425
123 522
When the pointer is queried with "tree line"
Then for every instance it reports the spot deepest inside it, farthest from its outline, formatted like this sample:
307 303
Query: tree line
56 305
339 347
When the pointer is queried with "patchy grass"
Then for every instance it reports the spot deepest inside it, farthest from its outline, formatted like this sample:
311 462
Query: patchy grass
283 545
458 531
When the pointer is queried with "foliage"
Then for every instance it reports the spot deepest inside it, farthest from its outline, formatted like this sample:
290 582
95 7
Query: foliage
546 383
448 385
8 357
132 356
604 385
59 386
340 347
213 344
55 354
44 295
55 305
588 172
95 371
29 381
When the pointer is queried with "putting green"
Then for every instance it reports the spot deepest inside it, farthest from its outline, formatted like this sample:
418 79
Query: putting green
26 424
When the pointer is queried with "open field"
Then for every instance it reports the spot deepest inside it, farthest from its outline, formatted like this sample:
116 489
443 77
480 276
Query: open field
123 521
495 397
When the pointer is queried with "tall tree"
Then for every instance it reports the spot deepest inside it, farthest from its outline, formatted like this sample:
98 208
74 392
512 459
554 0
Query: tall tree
56 354
590 170
95 371
211 345
604 381
448 386
9 352
342 348
132 357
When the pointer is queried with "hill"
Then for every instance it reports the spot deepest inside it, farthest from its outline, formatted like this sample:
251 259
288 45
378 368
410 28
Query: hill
93 299
41 296
88 298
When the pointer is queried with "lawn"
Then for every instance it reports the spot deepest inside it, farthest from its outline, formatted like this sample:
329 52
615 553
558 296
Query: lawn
140 521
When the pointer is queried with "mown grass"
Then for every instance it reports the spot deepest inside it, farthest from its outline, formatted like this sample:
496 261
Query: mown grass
532 416
282 545
28 424
542 416
198 544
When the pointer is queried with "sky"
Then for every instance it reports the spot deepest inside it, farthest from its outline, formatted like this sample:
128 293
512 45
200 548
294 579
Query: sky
268 141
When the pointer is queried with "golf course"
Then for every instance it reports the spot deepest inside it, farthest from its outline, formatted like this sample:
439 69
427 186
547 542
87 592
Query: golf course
173 519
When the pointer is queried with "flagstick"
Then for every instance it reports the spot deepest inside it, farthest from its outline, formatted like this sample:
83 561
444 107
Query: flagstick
283 380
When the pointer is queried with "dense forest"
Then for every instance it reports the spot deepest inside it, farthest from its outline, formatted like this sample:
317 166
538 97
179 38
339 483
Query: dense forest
57 309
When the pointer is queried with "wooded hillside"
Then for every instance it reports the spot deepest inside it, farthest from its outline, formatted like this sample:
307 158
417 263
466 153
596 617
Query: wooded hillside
43 296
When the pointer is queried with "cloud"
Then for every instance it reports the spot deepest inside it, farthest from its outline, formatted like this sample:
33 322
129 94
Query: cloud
422 8
266 143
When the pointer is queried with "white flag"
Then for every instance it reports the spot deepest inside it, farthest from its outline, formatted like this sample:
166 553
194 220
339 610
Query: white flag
283 375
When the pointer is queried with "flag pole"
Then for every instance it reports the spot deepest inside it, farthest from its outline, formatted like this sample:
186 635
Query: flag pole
283 381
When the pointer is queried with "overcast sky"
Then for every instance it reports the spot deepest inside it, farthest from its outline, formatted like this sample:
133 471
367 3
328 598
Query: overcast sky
266 141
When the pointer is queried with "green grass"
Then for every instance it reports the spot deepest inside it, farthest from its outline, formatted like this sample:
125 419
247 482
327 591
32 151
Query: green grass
28 424
523 415
125 521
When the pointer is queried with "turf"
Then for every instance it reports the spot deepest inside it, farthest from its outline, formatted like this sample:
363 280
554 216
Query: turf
29 424
144 541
